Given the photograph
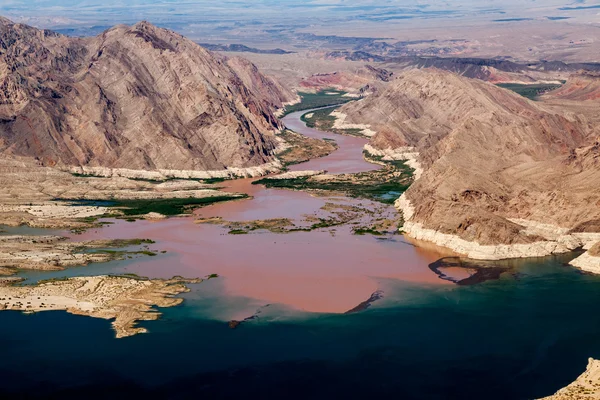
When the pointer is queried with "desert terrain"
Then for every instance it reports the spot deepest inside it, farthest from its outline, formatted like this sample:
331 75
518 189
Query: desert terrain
472 137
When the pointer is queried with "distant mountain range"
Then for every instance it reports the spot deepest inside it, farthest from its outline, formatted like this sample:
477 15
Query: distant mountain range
241 48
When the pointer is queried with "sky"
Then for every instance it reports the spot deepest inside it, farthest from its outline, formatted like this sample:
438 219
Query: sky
87 11
234 20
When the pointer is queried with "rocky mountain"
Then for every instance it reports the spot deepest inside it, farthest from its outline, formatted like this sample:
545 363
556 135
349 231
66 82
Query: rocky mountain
354 56
502 176
496 70
242 49
134 97
366 79
582 86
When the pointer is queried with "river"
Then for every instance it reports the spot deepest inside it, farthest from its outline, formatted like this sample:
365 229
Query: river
319 271
523 335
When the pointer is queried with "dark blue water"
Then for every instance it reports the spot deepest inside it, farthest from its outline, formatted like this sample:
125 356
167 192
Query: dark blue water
520 337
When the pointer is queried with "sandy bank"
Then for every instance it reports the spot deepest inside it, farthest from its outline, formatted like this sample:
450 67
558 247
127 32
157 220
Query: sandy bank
557 239
408 154
295 174
57 210
296 148
165 174
340 123
74 210
586 386
589 261
54 252
279 113
29 193
127 300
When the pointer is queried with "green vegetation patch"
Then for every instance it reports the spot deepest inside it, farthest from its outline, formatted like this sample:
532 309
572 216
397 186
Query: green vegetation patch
168 207
322 98
157 181
78 175
312 119
109 246
302 148
214 180
324 121
384 185
114 244
154 181
238 232
366 231
119 254
131 242
531 92
277 225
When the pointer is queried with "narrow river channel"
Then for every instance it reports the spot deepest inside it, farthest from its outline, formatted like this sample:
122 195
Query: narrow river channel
320 271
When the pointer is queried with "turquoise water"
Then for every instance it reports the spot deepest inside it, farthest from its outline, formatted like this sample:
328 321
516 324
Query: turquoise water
26 230
117 267
522 336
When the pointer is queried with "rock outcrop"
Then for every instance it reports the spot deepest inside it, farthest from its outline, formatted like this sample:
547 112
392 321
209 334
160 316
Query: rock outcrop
138 98
586 386
495 165
589 261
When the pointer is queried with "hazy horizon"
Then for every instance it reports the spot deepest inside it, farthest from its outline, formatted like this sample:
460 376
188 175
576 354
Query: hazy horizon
523 30
62 13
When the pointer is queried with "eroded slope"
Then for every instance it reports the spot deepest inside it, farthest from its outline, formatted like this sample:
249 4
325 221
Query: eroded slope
496 166
135 97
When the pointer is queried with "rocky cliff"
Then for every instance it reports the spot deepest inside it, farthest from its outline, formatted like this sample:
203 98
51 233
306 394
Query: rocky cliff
502 176
134 97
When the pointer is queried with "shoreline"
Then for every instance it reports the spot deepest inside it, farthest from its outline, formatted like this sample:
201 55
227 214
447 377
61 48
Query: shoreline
586 386
166 174
558 244
124 299
56 253
341 124
587 262
408 154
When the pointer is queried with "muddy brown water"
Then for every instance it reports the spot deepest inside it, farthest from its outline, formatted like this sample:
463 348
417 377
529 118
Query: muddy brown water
348 157
329 270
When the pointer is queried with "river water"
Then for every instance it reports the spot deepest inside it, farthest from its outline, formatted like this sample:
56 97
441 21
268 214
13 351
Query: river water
523 335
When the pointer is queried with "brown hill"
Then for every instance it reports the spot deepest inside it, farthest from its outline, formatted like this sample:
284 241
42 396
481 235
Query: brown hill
489 157
580 87
366 78
134 97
